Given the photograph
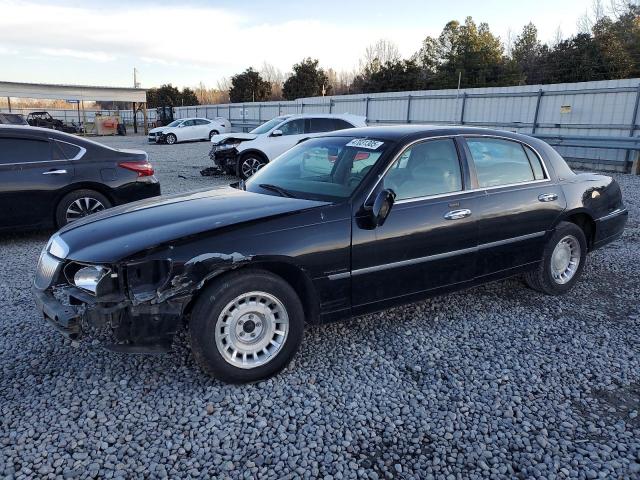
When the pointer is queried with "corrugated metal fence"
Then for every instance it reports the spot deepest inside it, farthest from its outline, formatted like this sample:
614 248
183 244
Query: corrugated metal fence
593 123
590 123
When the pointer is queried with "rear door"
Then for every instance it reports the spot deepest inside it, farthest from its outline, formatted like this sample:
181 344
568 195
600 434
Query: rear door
32 171
521 204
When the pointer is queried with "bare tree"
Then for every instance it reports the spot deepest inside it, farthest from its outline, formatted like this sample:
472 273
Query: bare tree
378 54
558 37
586 22
275 77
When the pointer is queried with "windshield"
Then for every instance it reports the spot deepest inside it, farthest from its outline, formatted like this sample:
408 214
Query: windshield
175 123
265 127
327 168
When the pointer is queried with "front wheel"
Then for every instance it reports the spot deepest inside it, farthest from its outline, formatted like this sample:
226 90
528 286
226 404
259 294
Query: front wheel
246 327
249 164
170 139
562 261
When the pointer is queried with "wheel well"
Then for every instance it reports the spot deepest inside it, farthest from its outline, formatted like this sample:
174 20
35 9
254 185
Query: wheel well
82 186
587 224
258 153
290 274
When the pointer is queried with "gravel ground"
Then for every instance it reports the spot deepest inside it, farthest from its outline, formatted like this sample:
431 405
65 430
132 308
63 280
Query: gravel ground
496 381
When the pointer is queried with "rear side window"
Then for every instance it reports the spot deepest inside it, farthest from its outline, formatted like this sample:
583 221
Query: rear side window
536 164
202 122
502 162
68 150
23 150
341 124
321 125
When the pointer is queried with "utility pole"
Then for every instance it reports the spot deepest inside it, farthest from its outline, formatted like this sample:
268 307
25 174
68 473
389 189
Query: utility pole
135 78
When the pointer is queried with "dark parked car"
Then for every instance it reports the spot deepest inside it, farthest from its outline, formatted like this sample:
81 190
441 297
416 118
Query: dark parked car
50 178
341 225
12 119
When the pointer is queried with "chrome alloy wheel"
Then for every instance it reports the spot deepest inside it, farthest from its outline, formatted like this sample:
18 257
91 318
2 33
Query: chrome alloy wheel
82 207
565 259
250 166
251 329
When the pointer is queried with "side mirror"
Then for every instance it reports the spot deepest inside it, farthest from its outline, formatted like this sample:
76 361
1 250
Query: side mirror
382 206
276 133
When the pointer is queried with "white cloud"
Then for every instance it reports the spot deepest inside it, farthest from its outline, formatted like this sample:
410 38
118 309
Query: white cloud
214 39
84 55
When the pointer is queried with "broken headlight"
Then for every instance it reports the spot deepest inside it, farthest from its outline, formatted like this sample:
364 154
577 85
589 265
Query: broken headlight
226 146
95 279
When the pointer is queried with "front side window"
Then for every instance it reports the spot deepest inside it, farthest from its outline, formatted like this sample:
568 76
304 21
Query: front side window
266 127
502 162
294 127
22 150
189 123
175 123
327 168
428 168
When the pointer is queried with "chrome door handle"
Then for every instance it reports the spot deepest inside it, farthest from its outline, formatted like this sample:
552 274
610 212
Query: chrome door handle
54 172
457 214
547 197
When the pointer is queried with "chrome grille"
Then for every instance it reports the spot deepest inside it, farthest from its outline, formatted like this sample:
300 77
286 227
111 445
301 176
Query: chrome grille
48 268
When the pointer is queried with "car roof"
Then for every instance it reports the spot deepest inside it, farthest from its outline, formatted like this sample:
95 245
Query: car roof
402 132
41 132
321 115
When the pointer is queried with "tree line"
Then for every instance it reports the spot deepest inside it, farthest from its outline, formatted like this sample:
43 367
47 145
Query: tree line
607 46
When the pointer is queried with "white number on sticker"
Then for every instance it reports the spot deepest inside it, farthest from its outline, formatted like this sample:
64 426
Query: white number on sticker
364 143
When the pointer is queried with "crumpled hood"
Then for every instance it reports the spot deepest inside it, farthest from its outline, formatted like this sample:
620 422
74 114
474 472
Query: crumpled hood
160 129
227 137
120 232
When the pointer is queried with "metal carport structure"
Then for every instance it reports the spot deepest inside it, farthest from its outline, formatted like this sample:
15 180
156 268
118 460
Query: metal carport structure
79 93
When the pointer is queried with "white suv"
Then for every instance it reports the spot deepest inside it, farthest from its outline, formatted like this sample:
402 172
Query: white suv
243 154
186 129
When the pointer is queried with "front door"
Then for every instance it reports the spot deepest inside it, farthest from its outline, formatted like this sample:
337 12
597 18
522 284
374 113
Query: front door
430 236
291 133
520 206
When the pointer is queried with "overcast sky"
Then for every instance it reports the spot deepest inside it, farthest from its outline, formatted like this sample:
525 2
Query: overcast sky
99 43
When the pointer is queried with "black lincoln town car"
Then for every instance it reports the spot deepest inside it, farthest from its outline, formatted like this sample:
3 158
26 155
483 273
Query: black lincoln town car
348 223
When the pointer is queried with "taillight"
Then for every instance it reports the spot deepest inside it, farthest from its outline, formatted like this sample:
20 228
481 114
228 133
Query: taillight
143 169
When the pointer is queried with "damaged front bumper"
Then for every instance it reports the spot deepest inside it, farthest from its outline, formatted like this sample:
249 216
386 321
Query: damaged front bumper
225 158
117 324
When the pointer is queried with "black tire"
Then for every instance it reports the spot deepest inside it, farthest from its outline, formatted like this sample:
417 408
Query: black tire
211 303
170 139
542 279
247 164
212 133
77 195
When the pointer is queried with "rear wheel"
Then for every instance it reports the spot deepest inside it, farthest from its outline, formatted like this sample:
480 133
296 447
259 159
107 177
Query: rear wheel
170 139
78 204
212 133
246 327
562 261
249 164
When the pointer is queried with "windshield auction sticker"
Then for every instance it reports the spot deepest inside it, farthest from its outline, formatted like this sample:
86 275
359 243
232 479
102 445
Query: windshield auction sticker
364 143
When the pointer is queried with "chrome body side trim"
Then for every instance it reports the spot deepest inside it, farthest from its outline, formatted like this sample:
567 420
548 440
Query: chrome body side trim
438 256
615 213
